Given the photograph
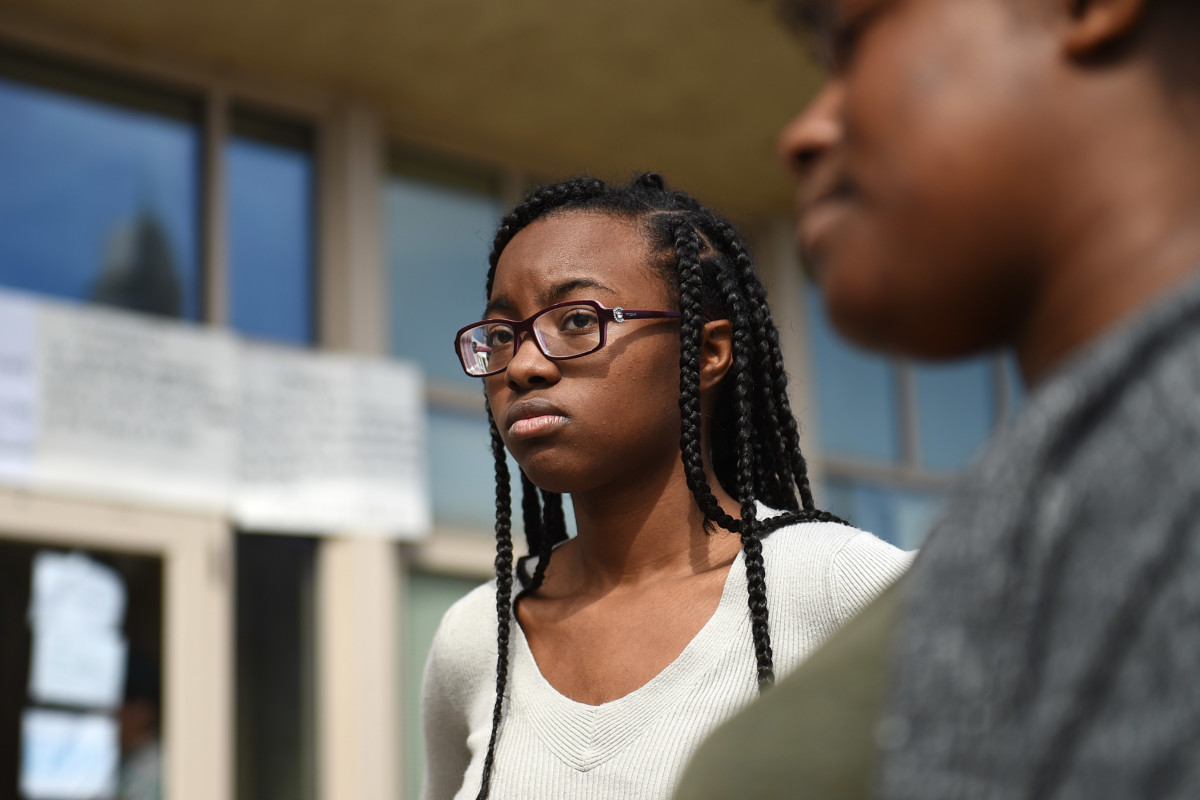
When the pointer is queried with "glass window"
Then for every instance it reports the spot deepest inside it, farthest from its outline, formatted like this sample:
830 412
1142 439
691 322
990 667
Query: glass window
100 198
440 225
275 704
857 407
427 598
462 475
270 201
462 472
440 221
956 408
900 516
81 699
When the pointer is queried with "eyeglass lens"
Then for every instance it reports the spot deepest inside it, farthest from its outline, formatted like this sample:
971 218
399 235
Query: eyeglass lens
560 332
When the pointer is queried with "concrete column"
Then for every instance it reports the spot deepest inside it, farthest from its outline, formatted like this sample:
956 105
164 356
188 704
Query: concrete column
351 277
358 673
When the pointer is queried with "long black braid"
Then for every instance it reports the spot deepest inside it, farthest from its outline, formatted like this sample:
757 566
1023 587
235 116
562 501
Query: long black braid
504 582
755 442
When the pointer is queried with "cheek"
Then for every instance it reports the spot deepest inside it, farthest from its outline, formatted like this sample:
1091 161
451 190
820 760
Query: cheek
931 262
648 388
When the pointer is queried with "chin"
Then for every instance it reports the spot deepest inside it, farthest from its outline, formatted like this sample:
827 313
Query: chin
551 477
861 315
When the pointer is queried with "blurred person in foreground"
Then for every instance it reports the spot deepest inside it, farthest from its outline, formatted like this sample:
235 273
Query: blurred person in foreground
1024 174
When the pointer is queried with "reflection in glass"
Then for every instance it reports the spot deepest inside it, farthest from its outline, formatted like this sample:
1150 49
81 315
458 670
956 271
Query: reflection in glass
270 201
855 393
100 200
438 240
956 408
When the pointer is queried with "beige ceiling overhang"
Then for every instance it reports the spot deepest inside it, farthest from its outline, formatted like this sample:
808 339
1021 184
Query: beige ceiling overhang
697 90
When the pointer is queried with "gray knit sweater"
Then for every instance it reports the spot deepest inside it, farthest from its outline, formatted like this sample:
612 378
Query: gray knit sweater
1050 643
818 575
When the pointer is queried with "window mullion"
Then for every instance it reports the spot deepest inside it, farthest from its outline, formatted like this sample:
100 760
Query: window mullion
215 229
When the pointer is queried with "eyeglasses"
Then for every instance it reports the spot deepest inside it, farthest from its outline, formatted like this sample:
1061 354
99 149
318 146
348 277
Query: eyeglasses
561 331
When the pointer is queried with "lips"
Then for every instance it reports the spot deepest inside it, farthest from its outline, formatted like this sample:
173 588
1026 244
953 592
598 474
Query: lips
533 418
820 211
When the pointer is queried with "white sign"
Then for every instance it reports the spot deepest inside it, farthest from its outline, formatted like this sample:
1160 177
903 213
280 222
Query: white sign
68 756
72 589
76 609
331 443
75 666
18 394
99 401
134 406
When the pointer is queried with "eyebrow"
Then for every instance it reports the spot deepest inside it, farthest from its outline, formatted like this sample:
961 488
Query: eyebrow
551 296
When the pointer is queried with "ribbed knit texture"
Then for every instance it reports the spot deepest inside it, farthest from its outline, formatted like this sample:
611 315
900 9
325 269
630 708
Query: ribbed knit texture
1049 646
818 576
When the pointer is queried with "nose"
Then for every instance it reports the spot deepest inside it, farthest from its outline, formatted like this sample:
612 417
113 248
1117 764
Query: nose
813 132
529 366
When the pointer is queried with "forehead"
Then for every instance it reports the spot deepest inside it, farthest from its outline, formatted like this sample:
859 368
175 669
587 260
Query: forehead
574 247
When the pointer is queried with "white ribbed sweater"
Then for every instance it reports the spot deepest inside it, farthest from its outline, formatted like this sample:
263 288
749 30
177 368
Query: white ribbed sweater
818 576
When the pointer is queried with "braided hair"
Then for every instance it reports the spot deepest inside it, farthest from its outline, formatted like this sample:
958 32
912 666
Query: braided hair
755 442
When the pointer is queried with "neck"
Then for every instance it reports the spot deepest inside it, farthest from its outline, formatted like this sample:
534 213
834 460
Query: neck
638 534
1129 231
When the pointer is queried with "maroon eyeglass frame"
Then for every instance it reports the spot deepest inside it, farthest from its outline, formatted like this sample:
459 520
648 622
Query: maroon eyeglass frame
604 314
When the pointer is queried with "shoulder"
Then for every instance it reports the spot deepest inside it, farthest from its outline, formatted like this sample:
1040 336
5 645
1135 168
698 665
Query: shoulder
844 568
464 646
832 545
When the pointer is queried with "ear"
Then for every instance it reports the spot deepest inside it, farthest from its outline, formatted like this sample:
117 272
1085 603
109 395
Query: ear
1092 26
716 352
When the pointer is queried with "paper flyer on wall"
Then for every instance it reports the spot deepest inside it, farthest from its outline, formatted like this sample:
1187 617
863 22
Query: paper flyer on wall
335 442
133 406
18 391
105 403
66 756
73 588
76 613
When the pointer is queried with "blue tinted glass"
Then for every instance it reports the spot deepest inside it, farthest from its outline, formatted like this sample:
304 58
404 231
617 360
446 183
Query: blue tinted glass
438 240
857 411
98 202
461 471
462 474
270 240
900 516
956 409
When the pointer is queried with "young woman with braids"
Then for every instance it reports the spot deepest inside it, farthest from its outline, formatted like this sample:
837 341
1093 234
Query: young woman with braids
629 358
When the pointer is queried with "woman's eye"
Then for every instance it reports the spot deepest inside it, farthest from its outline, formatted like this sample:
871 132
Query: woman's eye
498 337
578 320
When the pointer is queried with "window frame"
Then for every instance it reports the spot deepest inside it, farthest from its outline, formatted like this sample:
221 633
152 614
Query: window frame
54 62
196 553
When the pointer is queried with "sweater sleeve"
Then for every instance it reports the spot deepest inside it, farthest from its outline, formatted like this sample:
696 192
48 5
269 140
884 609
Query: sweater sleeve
451 674
862 568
